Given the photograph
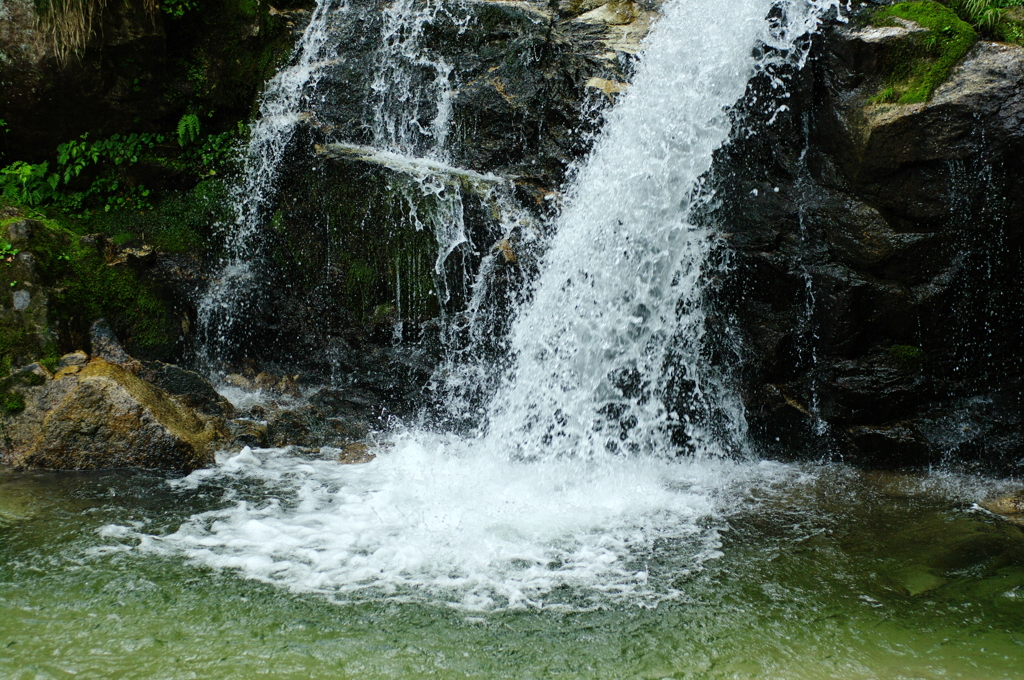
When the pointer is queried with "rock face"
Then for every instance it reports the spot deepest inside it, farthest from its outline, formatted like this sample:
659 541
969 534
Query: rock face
876 279
100 415
384 213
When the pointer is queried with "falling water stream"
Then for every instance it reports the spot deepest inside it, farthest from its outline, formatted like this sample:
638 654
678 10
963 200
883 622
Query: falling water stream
562 537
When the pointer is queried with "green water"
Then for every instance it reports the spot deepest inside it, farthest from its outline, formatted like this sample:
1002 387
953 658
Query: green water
849 576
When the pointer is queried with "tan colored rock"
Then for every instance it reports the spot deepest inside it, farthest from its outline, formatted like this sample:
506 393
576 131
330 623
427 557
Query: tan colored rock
1011 506
78 358
504 246
356 453
289 385
240 381
103 416
614 13
266 381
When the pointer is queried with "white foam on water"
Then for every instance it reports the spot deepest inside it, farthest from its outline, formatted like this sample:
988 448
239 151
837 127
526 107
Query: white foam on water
431 518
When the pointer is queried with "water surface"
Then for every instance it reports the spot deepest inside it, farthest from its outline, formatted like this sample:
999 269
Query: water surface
818 572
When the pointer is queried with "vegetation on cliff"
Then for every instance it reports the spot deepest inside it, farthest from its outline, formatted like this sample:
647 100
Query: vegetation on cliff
924 60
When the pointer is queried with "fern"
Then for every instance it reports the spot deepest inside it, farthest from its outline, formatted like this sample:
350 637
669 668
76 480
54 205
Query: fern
188 129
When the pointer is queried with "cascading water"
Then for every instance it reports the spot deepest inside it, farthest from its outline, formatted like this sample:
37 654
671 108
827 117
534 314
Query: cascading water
281 107
409 80
572 494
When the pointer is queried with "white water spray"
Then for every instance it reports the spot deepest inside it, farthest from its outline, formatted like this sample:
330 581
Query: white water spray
280 112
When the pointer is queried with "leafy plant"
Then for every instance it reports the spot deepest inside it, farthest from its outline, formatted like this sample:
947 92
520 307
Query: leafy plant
178 8
7 252
215 151
995 19
28 184
75 156
188 129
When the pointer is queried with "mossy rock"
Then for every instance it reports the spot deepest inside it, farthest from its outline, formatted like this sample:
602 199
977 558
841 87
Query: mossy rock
925 59
65 283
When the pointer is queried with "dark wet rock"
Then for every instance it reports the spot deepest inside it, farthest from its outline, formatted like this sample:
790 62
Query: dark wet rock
105 344
247 432
307 426
875 251
348 272
346 402
187 387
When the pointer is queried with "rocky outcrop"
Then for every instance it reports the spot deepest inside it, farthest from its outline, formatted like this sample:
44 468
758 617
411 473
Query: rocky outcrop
876 277
100 415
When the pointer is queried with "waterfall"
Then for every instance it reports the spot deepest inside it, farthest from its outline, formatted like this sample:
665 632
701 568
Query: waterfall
572 495
281 105
401 91
623 278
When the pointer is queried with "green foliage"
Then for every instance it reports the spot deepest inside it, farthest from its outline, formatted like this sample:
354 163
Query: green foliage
107 189
7 252
28 184
215 151
11 403
82 287
180 222
927 59
908 355
93 290
995 19
188 129
178 8
75 156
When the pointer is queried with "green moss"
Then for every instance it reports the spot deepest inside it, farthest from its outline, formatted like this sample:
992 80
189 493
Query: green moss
925 60
908 355
180 222
81 287
11 403
94 290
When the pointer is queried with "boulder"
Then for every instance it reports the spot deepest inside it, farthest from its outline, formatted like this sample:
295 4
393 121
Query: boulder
187 387
356 453
101 415
247 432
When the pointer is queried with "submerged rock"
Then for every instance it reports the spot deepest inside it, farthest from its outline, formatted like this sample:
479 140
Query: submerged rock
101 415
